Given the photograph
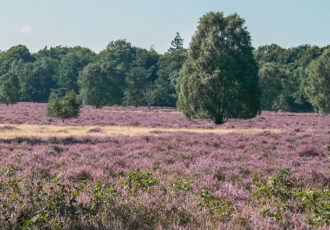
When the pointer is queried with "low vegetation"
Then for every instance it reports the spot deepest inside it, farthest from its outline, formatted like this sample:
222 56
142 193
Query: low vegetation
177 180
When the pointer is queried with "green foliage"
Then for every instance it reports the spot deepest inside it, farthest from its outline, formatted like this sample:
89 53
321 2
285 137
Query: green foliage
220 78
215 204
148 60
94 86
176 43
279 197
270 53
55 204
15 53
135 81
140 180
149 94
36 79
290 70
56 53
119 56
269 80
169 73
63 108
70 66
58 68
41 80
142 74
318 83
9 89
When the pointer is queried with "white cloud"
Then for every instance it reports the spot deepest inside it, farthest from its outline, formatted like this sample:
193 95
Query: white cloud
27 29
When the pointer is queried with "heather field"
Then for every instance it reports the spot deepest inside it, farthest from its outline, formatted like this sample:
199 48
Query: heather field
127 168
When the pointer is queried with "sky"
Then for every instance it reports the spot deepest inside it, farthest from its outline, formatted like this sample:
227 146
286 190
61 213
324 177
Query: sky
146 23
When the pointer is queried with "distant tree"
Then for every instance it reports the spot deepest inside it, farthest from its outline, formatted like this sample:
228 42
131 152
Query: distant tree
135 83
270 80
120 54
40 81
63 108
169 68
15 53
310 53
220 76
177 43
94 86
318 82
149 95
142 72
9 89
147 59
118 57
70 66
56 53
294 64
270 53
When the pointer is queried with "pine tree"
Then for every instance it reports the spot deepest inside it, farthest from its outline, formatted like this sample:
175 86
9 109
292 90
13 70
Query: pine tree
177 43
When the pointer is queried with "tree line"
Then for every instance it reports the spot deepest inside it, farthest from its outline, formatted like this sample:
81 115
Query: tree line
220 53
121 74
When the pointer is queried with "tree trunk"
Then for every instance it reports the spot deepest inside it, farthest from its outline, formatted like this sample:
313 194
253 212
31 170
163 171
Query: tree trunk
218 120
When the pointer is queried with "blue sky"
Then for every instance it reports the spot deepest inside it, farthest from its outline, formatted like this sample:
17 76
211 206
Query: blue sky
93 23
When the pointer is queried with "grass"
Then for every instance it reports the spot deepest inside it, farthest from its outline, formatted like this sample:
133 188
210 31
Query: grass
26 130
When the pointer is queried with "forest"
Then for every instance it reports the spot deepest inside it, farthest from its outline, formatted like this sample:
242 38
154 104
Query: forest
127 75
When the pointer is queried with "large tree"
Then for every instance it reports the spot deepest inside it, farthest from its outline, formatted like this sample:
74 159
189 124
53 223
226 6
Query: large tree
220 76
318 82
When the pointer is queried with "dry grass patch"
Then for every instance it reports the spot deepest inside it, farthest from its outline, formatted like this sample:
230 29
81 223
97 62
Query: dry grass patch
26 130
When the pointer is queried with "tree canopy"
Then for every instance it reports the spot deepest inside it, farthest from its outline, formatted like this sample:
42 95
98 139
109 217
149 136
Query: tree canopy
63 107
94 86
220 78
318 83
123 67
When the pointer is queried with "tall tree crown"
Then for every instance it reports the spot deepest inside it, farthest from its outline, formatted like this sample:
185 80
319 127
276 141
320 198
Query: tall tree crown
177 42
318 82
220 75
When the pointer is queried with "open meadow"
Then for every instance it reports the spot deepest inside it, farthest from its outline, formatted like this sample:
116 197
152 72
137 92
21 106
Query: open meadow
127 168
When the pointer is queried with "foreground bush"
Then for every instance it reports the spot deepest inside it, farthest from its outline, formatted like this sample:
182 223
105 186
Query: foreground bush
137 201
140 200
